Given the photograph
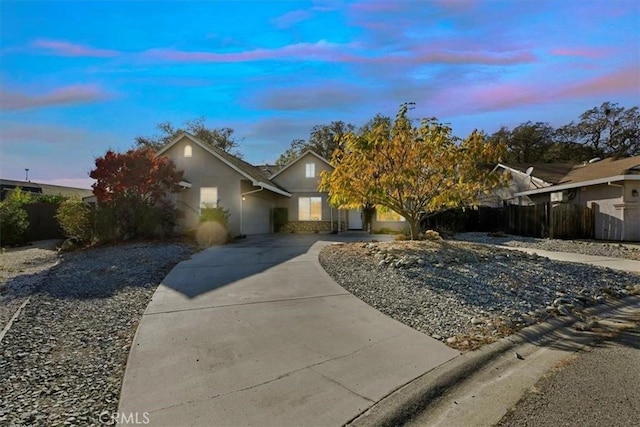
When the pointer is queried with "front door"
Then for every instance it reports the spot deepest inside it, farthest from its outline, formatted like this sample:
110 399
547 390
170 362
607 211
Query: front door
355 219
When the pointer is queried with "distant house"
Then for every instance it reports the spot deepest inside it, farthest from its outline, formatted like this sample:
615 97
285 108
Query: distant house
524 177
611 187
8 185
214 178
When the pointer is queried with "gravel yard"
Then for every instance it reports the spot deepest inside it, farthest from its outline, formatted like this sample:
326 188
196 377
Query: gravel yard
614 250
468 294
63 359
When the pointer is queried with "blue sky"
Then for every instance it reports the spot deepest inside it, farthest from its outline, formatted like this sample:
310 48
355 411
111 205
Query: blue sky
80 77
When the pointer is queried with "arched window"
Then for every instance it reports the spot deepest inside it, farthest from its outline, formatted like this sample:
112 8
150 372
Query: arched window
187 151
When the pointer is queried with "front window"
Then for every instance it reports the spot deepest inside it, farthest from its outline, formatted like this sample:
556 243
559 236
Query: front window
388 215
310 170
208 197
310 209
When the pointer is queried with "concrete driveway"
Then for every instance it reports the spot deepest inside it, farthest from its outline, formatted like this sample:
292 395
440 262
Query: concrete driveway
257 333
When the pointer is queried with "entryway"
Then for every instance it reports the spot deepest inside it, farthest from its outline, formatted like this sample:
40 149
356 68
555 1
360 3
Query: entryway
355 219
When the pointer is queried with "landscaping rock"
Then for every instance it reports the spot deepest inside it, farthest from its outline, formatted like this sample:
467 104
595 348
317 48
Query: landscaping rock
63 359
468 292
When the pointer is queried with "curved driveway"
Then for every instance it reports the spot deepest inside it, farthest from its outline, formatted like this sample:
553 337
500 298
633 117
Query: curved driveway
257 333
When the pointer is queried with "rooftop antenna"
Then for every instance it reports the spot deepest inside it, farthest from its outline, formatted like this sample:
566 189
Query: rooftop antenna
27 174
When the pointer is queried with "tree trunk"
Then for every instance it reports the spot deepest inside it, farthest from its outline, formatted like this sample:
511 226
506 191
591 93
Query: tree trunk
414 227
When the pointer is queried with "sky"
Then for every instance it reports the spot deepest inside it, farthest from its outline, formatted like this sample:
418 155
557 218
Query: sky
79 77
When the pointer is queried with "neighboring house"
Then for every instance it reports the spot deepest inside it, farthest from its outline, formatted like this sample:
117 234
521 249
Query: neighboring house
525 177
214 178
7 186
611 187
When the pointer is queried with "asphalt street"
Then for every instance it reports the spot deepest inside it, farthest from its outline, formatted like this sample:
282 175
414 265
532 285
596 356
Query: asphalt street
598 387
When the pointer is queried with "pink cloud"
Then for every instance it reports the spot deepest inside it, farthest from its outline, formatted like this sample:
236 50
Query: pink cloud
319 51
624 81
63 48
291 18
580 52
477 57
317 96
78 94
502 96
378 6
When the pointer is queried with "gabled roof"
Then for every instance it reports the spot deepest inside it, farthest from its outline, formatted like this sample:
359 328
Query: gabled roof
257 177
291 163
553 173
600 172
604 168
270 170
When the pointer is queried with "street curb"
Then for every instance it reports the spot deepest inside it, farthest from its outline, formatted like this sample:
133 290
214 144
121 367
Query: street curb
403 403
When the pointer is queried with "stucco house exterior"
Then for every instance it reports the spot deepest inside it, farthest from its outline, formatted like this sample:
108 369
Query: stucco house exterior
214 178
611 187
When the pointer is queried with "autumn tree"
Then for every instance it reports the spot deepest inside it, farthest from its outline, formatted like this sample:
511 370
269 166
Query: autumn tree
323 140
413 171
134 186
221 138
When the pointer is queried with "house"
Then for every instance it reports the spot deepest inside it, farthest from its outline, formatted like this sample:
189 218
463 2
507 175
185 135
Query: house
524 177
8 185
611 187
214 178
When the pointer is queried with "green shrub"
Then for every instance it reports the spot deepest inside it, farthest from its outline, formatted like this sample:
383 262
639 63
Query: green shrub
280 218
219 215
104 222
214 227
155 221
14 222
74 216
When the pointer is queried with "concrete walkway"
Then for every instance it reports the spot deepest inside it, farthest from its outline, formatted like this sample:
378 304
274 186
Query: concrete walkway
258 334
599 261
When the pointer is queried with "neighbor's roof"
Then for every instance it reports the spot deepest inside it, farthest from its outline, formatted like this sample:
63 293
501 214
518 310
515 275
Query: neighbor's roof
600 172
257 176
46 189
553 173
603 168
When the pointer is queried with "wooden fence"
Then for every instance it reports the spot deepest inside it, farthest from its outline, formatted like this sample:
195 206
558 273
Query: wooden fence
42 222
558 221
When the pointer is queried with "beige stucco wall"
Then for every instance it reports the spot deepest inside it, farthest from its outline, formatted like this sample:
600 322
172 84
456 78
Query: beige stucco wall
293 178
205 170
609 218
294 181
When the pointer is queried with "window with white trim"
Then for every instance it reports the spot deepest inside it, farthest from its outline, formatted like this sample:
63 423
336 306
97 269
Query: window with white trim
310 170
388 215
208 197
310 209
188 152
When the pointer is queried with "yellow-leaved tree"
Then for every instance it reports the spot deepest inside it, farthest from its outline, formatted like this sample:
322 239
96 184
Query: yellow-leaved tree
413 171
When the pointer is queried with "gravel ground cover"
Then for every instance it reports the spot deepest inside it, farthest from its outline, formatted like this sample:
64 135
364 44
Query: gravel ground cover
63 359
586 247
20 274
468 294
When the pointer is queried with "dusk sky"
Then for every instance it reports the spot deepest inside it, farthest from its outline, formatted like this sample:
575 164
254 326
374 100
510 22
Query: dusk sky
80 77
